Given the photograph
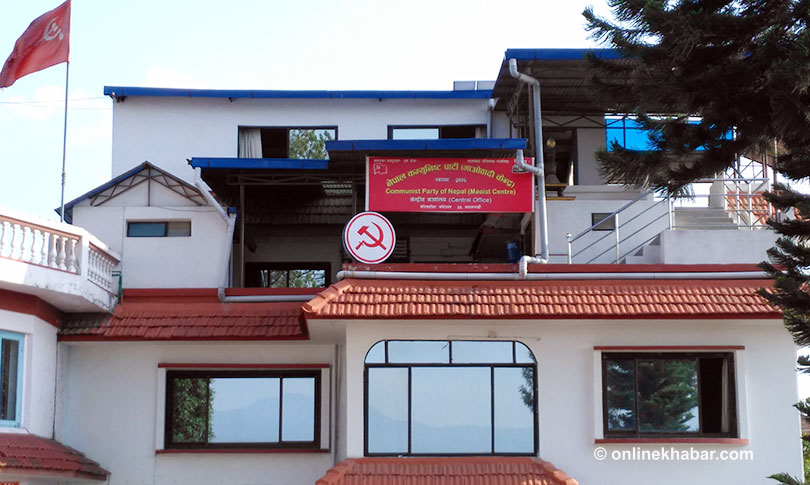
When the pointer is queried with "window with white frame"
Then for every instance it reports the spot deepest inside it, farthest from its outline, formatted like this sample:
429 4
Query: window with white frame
11 368
438 397
668 394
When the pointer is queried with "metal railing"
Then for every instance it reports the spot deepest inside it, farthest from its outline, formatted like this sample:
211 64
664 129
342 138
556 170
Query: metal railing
619 221
741 198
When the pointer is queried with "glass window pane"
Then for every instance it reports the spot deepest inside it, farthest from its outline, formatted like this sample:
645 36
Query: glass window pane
310 144
415 134
387 410
307 278
298 409
244 410
514 410
523 355
146 229
190 410
667 396
419 351
620 389
471 352
10 361
451 410
178 229
376 355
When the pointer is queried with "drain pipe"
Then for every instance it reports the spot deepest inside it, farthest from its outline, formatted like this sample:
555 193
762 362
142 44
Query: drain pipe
230 221
647 275
540 209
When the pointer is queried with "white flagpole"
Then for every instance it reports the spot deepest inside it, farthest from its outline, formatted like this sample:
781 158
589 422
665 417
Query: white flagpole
64 142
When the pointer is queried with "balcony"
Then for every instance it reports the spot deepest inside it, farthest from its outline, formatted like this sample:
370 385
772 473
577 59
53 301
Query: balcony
62 264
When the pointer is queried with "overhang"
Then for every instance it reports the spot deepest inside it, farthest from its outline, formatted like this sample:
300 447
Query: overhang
620 294
190 314
31 457
122 92
340 150
483 470
564 76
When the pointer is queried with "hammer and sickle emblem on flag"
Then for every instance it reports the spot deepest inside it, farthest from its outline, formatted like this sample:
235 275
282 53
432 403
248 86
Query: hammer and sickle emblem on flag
375 241
52 31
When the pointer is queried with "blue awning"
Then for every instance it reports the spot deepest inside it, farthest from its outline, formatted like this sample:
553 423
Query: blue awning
449 144
259 163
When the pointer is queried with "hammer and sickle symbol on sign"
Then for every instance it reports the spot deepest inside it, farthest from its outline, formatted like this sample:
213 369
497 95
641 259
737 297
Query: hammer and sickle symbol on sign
375 241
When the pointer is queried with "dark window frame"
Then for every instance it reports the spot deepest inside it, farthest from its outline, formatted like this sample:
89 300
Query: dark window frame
259 266
288 128
391 128
607 224
491 366
165 224
731 398
210 374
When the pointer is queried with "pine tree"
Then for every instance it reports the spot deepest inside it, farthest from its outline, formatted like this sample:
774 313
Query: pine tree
712 80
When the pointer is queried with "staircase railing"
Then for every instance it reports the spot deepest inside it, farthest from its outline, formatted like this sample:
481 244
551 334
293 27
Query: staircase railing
741 197
621 220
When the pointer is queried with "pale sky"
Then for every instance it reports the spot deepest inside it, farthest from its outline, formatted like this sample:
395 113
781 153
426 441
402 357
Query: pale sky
244 44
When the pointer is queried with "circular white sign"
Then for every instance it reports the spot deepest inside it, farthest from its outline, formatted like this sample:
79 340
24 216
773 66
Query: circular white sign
369 238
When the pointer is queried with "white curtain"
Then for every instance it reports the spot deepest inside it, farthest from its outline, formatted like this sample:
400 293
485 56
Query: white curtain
250 143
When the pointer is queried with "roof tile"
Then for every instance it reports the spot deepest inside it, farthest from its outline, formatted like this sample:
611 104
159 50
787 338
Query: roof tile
378 299
188 318
45 457
483 470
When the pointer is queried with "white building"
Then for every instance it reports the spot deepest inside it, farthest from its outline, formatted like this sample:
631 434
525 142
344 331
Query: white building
451 359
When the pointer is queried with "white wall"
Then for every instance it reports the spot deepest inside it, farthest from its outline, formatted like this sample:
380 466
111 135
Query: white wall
159 262
39 371
166 131
114 404
716 247
766 386
638 223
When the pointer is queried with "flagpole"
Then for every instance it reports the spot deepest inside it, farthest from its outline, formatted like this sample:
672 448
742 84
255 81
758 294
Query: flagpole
64 142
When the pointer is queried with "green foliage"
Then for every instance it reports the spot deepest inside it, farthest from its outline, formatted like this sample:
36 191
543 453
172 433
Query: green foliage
786 479
665 399
297 278
740 65
527 388
191 411
309 144
667 394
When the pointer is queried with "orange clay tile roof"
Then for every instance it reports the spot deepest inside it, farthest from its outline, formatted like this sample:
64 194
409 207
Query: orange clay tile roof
445 471
187 315
31 455
592 299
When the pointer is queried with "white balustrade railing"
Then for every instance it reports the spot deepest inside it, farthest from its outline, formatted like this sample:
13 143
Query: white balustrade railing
57 246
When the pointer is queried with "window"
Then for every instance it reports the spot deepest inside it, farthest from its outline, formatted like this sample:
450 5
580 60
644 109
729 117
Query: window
159 229
242 409
287 275
606 224
301 143
668 395
441 397
435 132
11 351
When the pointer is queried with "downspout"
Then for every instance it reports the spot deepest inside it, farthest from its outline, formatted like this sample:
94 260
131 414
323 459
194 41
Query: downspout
540 209
230 221
490 118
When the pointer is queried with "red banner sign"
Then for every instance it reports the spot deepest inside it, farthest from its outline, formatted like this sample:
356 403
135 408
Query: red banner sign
447 185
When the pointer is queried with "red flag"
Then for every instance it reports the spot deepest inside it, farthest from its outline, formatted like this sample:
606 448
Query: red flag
46 42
